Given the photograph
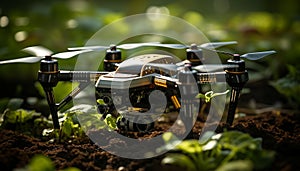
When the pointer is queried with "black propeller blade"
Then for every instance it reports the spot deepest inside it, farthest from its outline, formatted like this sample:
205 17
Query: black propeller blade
38 51
211 45
155 44
250 56
23 60
41 53
122 46
257 55
67 55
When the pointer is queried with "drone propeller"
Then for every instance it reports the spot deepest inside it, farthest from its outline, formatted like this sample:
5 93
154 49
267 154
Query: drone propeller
155 44
210 45
213 67
250 56
23 60
42 53
257 55
38 51
122 46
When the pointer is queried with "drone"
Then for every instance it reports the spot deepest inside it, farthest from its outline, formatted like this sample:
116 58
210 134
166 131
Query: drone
140 75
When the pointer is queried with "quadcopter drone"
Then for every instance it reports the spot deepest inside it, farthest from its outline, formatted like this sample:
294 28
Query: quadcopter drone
138 76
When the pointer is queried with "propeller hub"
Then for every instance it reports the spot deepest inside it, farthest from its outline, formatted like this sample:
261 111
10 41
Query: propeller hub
113 47
194 46
236 57
48 58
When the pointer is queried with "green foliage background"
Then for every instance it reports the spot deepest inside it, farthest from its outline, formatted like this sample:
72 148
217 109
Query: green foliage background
257 25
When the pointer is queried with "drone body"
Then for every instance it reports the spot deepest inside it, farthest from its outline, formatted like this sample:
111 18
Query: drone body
128 84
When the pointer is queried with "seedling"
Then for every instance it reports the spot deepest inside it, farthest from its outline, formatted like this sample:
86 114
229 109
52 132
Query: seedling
219 151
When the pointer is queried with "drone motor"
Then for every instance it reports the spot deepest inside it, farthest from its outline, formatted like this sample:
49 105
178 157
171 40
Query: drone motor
112 58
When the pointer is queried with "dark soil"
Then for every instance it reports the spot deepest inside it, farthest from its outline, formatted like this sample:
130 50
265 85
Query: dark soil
280 131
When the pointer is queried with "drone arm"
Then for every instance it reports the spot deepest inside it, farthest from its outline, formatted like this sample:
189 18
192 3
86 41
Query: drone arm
50 80
235 92
71 95
236 80
212 77
52 106
80 76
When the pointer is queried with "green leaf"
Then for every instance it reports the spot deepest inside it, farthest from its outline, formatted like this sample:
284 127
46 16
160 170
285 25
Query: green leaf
189 146
111 121
71 169
171 141
67 128
238 165
40 162
101 102
221 149
180 160
15 103
206 136
219 94
169 137
289 86
200 95
18 116
210 94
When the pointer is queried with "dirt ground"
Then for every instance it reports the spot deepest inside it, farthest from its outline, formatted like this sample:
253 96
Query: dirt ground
280 132
279 129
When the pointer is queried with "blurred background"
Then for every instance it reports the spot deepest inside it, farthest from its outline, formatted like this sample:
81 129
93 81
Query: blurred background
256 25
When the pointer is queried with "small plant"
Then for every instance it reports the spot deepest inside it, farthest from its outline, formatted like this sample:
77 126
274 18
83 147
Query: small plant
80 119
232 150
289 86
209 95
111 122
69 129
83 118
25 121
40 162
74 122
